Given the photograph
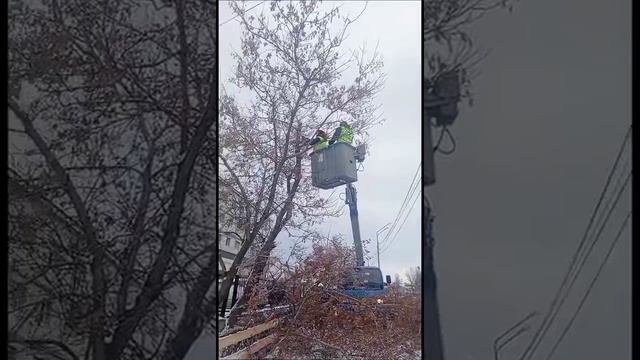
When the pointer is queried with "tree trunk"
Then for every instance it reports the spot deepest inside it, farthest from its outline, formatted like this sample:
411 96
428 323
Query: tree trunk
284 214
196 314
254 280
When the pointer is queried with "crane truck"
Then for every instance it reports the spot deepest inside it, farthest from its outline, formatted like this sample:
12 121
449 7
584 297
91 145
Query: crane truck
333 167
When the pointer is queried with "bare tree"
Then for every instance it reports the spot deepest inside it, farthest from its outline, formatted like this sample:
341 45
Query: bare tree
292 77
449 45
396 279
414 278
112 108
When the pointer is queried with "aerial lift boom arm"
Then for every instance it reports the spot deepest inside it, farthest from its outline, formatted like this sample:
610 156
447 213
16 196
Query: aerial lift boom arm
352 201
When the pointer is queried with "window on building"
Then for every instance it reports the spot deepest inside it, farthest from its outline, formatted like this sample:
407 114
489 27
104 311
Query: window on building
227 241
237 244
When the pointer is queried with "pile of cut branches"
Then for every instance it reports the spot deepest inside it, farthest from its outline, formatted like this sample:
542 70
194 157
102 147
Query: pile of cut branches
323 323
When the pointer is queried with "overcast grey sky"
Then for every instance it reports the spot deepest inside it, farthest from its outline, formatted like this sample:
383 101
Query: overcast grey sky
552 105
395 150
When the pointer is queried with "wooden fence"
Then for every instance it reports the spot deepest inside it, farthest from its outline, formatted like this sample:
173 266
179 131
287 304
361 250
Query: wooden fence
251 349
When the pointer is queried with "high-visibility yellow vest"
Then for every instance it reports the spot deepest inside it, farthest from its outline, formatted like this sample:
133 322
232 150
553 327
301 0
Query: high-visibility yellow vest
323 144
346 135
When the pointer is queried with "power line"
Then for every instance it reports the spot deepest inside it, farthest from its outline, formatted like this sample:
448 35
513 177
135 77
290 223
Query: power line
591 286
412 189
602 220
550 316
415 199
405 220
600 225
496 343
445 130
584 260
521 331
404 202
244 12
392 233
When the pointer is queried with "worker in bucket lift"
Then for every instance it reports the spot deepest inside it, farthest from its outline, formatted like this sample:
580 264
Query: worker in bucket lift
344 133
320 142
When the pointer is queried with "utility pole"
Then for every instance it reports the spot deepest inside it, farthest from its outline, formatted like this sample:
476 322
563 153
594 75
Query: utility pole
441 99
431 316
378 242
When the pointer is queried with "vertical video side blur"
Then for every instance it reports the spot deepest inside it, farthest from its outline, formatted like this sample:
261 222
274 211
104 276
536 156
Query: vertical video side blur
112 178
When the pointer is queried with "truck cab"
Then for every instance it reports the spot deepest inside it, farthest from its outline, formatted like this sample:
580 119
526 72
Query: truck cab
365 282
